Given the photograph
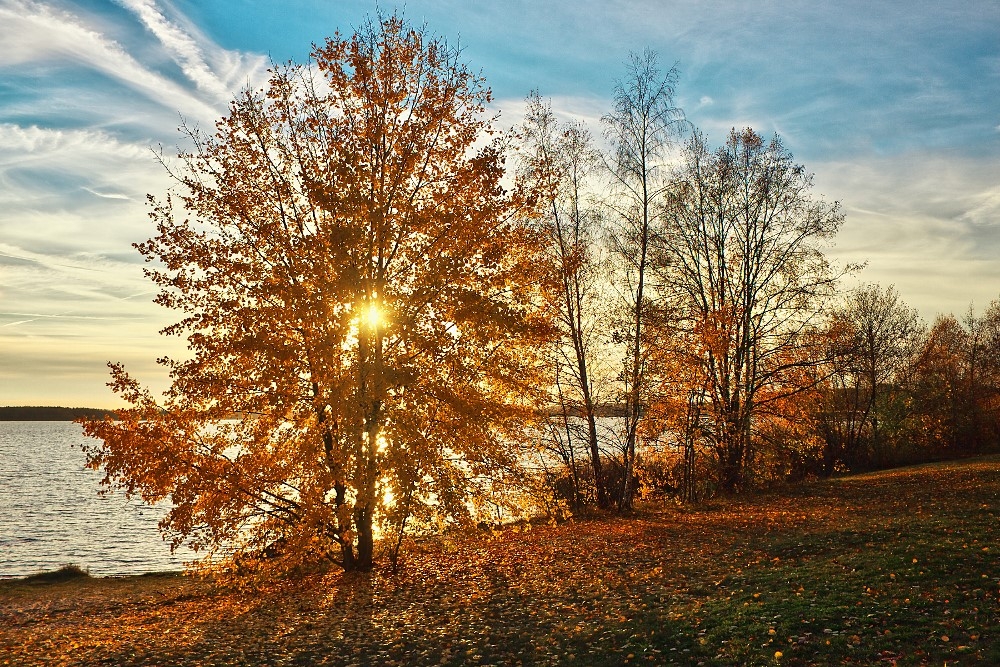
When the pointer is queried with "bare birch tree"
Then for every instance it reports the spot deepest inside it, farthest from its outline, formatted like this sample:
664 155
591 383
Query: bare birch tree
559 158
640 132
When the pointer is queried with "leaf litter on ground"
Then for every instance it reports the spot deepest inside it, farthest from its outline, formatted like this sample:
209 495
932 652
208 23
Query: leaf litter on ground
895 568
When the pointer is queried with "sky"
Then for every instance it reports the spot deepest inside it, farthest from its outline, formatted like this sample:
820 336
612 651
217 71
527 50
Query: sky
893 105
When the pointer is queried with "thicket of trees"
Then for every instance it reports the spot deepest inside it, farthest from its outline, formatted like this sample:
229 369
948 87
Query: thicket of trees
728 354
388 337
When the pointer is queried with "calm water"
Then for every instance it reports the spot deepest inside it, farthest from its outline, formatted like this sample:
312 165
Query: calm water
51 513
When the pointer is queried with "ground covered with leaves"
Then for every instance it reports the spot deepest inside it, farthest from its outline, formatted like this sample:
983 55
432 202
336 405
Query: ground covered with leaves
897 567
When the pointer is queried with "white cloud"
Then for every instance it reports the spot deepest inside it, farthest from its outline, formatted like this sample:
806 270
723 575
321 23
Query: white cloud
55 183
984 208
36 33
566 108
107 195
182 47
927 221
43 143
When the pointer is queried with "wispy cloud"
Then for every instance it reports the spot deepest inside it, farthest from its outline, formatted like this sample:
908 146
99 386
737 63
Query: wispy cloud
107 195
55 182
36 33
84 95
182 47
929 223
39 143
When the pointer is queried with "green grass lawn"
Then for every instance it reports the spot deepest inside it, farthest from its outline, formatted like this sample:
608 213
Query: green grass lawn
898 567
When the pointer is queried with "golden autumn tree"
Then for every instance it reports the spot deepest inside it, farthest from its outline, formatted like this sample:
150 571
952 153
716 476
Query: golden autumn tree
363 303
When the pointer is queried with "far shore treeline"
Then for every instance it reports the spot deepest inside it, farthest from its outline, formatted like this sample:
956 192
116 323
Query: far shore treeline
36 413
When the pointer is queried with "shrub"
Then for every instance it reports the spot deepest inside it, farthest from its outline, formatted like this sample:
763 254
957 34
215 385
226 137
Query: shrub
67 572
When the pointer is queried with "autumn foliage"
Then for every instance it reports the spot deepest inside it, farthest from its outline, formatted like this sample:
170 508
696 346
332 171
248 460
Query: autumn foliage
363 303
391 332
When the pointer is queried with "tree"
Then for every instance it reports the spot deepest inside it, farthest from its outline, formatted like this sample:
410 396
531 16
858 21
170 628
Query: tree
938 383
744 281
558 160
640 132
986 384
363 302
876 337
955 383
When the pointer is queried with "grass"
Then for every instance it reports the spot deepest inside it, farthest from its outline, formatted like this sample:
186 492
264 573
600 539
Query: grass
64 573
892 568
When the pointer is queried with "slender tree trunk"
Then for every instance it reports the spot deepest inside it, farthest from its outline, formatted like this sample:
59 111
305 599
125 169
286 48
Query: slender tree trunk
366 538
348 559
600 484
635 371
574 303
569 456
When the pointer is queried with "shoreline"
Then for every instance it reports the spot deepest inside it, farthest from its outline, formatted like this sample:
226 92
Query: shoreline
48 577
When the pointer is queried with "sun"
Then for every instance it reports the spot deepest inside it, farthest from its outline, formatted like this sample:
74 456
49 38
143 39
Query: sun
373 317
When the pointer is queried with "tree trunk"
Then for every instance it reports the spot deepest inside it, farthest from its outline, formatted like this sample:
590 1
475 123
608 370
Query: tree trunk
348 560
600 485
730 470
830 454
731 453
366 539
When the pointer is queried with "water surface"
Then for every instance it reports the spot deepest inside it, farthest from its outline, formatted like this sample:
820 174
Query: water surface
51 512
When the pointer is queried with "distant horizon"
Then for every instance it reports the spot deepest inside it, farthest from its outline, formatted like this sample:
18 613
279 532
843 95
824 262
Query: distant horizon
39 413
55 407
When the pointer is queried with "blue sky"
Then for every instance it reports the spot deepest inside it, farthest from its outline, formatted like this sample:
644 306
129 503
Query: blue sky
895 106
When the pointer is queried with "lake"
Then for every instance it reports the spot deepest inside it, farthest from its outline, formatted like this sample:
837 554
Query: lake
51 513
